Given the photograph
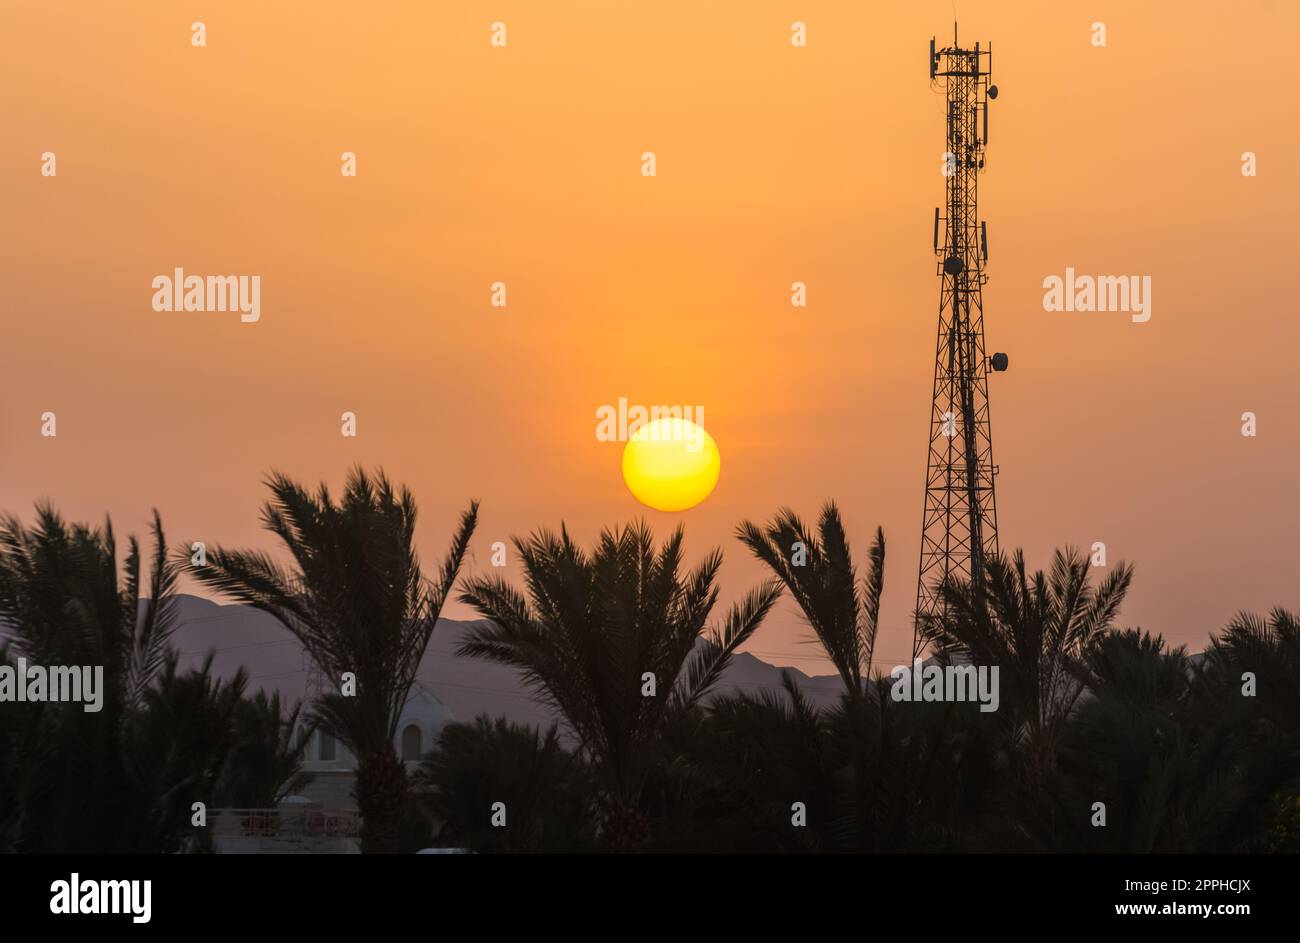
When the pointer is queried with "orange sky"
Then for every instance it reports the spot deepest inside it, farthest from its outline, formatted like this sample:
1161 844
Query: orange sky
775 164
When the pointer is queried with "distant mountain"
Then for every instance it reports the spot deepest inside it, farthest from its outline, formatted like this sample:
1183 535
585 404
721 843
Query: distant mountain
240 636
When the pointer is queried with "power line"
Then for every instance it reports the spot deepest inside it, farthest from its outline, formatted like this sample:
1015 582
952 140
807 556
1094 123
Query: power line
279 674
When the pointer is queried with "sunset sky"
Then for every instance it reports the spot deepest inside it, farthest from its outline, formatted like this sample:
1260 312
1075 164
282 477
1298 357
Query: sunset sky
775 164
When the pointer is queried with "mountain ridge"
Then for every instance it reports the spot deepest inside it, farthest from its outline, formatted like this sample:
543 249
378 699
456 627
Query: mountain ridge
239 636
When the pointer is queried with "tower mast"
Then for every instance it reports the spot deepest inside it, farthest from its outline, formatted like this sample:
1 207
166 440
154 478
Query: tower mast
959 528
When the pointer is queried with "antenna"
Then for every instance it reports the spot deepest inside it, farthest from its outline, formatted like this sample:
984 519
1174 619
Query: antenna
984 240
936 229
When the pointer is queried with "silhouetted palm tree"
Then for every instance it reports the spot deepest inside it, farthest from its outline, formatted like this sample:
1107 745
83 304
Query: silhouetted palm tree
738 769
181 738
820 574
1170 778
90 781
542 788
904 774
1254 664
265 763
355 597
612 639
1269 649
1035 630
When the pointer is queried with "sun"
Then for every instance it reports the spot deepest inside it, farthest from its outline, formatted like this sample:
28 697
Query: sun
671 464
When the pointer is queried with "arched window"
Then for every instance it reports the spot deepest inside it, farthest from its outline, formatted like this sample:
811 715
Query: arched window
326 746
411 743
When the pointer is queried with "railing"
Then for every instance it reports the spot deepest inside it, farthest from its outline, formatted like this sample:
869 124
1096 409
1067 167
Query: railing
284 822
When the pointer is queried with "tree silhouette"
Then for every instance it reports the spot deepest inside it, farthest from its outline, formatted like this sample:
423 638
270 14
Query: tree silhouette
356 599
594 630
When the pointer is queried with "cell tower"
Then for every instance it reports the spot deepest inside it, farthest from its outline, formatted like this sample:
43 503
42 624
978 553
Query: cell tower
960 526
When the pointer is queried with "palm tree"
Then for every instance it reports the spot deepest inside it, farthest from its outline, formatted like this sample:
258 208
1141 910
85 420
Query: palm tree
265 763
78 780
1172 778
1269 649
542 786
821 576
356 599
181 739
737 770
904 774
1035 630
1254 664
612 640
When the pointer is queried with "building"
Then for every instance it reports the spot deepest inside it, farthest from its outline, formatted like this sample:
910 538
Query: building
333 768
322 818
